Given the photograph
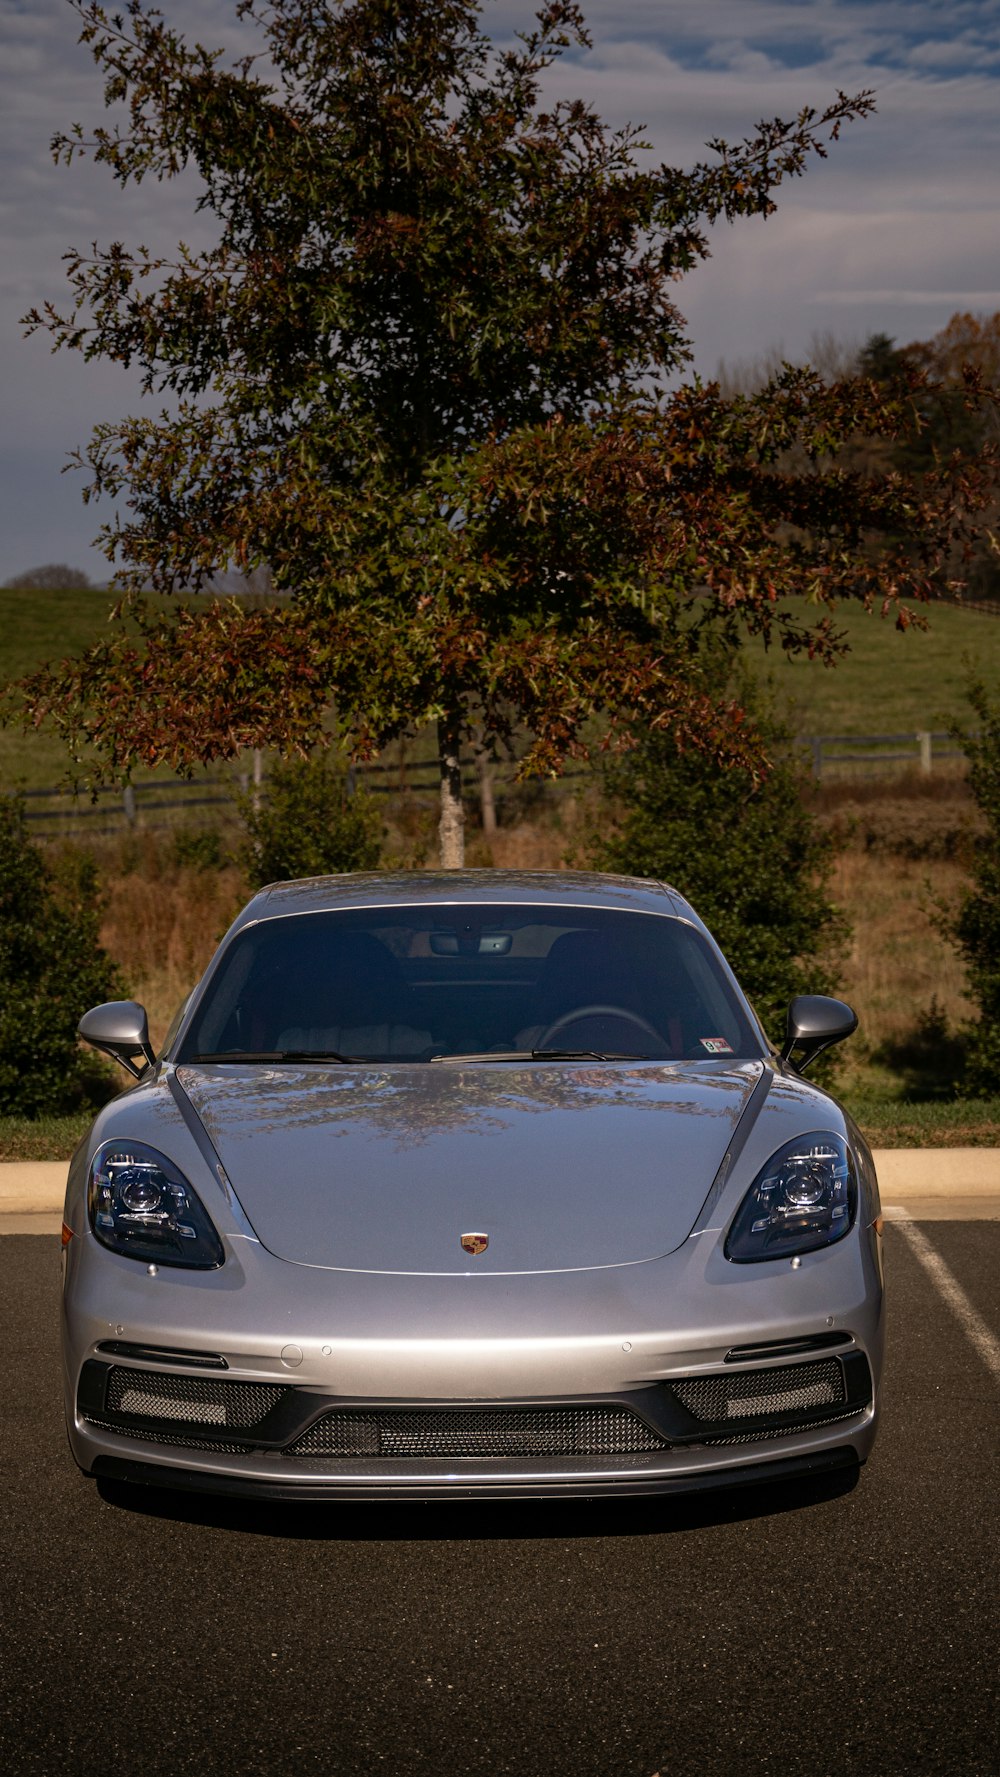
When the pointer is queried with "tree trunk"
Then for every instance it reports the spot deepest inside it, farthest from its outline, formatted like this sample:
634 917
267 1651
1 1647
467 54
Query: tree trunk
451 827
487 805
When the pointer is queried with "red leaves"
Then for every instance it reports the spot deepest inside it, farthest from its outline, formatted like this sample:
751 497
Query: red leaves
202 683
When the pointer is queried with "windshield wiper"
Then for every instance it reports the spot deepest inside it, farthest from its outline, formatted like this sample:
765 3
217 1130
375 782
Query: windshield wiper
251 1056
585 1055
541 1055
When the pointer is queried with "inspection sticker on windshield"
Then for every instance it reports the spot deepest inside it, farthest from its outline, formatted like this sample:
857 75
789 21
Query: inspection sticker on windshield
716 1045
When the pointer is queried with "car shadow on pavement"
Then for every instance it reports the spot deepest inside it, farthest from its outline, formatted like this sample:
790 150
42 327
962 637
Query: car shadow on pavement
481 1520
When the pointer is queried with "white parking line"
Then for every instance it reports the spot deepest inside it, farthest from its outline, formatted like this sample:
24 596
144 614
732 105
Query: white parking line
948 1288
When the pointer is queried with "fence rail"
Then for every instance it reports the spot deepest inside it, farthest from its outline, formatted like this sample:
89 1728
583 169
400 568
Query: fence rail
109 809
875 752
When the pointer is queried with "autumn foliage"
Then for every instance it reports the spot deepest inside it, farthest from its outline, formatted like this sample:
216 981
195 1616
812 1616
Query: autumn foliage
422 374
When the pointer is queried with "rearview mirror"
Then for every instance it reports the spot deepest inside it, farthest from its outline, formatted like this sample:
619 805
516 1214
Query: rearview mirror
119 1029
468 942
813 1024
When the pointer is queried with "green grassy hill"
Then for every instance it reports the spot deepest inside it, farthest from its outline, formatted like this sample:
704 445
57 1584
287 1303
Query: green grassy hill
35 627
38 626
890 681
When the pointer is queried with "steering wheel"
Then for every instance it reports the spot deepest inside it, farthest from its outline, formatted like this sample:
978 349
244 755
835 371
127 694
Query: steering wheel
547 1039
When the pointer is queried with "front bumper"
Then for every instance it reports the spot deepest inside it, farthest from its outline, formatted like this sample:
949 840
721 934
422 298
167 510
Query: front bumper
660 1454
322 1345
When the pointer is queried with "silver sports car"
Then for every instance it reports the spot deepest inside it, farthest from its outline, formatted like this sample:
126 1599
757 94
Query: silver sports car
470 1184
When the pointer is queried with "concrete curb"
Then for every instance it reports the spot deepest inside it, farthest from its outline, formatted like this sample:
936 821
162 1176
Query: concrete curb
937 1172
32 1187
37 1187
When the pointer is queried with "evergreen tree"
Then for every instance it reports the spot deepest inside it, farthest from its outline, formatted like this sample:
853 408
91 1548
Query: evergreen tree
52 969
976 927
746 852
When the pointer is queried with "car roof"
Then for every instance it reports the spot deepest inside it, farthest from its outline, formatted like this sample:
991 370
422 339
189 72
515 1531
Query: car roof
553 888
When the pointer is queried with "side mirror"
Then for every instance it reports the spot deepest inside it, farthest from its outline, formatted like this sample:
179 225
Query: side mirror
813 1024
119 1029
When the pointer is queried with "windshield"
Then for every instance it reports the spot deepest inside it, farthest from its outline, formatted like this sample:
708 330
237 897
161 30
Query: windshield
433 983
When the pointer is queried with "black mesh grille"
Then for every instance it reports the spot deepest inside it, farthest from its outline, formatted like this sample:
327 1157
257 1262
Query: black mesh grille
479 1431
191 1400
786 1431
759 1394
213 1412
150 1434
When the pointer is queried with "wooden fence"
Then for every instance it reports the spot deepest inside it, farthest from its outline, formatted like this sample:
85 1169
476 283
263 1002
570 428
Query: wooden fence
837 755
210 799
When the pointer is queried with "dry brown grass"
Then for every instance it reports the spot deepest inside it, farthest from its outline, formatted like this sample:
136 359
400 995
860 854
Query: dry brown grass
914 817
524 847
162 921
898 964
549 840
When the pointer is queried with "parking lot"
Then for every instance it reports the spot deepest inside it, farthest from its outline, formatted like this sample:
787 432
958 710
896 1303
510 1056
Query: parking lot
836 1632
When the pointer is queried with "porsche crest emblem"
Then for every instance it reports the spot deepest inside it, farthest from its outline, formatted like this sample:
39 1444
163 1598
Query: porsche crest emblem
475 1244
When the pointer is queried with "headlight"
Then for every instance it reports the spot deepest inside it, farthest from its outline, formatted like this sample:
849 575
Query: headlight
805 1197
140 1205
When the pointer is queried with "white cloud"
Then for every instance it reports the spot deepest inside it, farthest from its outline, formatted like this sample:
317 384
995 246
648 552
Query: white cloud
953 300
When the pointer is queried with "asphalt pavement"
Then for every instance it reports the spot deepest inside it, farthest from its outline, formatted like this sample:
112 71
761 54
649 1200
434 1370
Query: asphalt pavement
834 1632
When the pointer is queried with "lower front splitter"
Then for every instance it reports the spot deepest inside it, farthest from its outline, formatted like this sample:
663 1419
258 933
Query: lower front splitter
452 1486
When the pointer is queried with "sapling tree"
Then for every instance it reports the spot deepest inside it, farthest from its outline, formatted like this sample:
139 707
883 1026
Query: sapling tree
309 824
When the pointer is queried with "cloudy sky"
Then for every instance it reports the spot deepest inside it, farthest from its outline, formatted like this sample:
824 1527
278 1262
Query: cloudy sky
894 233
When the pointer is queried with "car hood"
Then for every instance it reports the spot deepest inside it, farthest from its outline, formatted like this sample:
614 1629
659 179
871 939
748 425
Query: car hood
384 1169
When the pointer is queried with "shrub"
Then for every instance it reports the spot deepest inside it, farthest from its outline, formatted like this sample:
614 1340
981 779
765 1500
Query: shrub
52 968
198 848
309 824
916 830
927 1058
975 929
749 856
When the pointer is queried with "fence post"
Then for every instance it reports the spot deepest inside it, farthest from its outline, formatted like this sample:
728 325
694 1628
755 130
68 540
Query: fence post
816 744
924 743
258 778
128 804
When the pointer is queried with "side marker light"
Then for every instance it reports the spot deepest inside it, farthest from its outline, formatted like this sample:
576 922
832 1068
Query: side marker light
67 1234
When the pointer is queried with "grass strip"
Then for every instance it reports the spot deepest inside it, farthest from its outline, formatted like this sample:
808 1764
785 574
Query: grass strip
42 1138
901 1123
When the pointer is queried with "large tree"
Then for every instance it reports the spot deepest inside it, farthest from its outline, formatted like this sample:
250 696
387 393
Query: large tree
950 426
421 374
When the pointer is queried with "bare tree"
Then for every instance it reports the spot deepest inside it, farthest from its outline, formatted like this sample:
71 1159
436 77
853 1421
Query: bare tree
53 577
833 359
